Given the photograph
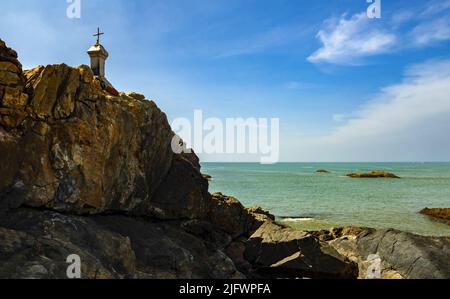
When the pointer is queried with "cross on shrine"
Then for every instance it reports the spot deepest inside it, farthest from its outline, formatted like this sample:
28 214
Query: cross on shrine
98 35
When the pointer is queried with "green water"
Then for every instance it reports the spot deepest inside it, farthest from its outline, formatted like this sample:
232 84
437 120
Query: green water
321 201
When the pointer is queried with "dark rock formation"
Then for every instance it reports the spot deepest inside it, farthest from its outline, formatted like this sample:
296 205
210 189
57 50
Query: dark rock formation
373 175
35 244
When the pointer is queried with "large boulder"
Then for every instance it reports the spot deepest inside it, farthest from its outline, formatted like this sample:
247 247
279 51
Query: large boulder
277 252
228 214
401 254
68 145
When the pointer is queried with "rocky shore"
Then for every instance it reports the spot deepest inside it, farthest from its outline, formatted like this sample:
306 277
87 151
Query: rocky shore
91 173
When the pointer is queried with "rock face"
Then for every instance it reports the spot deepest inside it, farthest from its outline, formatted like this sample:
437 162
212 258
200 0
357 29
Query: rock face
75 148
442 214
402 255
373 175
13 98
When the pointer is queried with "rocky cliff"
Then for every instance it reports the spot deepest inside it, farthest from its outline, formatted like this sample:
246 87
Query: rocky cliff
89 172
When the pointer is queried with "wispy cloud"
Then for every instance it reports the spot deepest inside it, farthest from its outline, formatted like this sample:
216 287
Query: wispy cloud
430 32
436 7
346 40
407 121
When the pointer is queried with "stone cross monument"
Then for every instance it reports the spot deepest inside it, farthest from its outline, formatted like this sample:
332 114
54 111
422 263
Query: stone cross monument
98 55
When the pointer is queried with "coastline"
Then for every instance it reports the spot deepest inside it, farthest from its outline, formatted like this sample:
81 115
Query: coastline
333 200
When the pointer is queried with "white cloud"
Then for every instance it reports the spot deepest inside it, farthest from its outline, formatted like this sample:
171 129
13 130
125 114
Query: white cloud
436 7
409 121
433 31
349 39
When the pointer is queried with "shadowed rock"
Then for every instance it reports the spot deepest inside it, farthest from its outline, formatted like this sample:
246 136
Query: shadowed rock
277 251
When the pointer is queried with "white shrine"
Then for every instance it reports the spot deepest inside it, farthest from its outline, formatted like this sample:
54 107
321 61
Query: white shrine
98 56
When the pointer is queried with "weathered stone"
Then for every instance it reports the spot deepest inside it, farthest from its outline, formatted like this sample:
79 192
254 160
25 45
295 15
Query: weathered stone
229 214
11 118
9 67
36 244
136 96
54 91
403 255
9 79
278 251
14 98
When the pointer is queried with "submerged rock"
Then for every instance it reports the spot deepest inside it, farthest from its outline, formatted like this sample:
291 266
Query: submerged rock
373 174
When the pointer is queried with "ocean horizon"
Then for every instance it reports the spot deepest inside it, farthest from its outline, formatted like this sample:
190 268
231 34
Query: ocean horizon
302 198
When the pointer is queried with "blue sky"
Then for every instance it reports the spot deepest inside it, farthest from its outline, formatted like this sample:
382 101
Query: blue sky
345 87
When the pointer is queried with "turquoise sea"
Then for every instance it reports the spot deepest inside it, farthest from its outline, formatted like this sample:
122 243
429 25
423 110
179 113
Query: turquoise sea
296 194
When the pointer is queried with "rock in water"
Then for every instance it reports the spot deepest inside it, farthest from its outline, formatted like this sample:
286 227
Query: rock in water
442 214
322 171
373 174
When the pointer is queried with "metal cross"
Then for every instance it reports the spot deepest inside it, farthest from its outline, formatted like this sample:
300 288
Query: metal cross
98 35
